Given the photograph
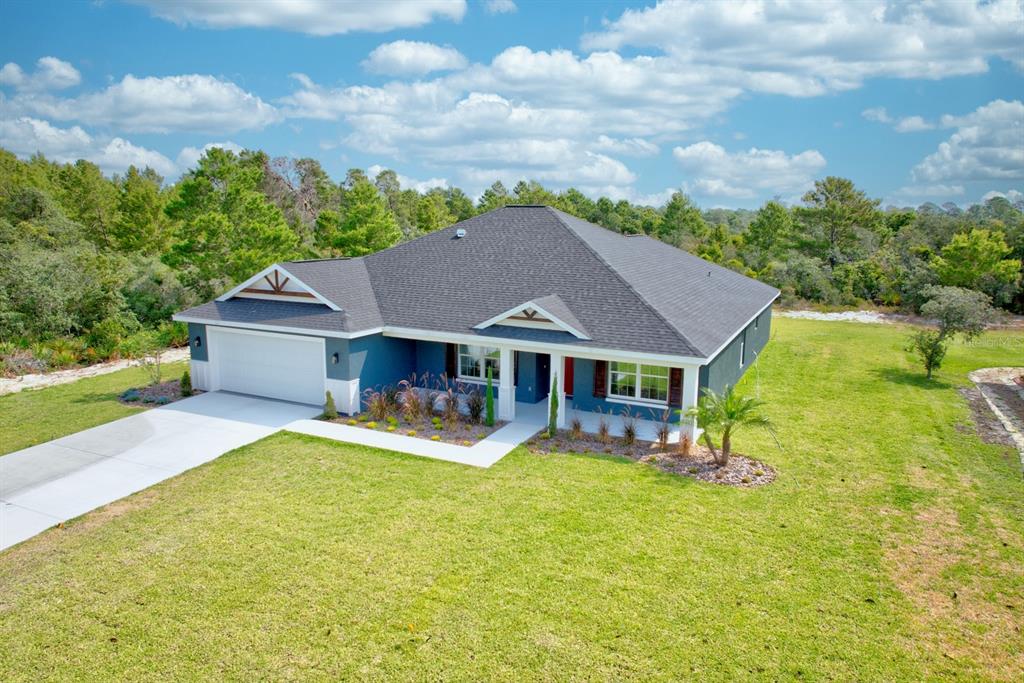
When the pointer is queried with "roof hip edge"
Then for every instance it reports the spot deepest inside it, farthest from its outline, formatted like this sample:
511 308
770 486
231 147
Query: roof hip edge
686 340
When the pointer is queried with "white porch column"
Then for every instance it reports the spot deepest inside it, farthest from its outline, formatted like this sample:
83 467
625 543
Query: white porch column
691 389
506 386
558 371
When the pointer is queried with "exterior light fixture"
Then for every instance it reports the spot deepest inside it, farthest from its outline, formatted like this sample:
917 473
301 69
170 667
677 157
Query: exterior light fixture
198 341
334 359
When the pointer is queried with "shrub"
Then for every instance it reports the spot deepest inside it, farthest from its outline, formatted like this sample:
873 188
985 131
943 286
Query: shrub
413 407
172 333
629 427
391 393
361 417
376 403
692 470
392 420
186 387
685 445
391 428
603 431
745 480
371 425
149 399
489 419
162 401
467 443
435 437
759 473
475 406
351 423
553 406
576 427
330 410
481 435
450 406
663 433
130 395
411 432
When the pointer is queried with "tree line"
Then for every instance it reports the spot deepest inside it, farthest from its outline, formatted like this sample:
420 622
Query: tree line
99 259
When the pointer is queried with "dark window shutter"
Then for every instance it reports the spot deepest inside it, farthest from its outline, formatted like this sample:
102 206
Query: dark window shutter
600 378
675 387
569 377
451 360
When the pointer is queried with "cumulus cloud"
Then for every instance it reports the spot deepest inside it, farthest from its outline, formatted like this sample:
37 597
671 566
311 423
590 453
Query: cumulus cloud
636 147
500 6
156 104
985 146
1013 196
409 57
26 136
50 74
746 174
929 191
188 156
906 124
315 17
808 48
408 183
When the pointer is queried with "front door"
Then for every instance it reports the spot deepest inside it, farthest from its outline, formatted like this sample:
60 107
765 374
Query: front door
543 376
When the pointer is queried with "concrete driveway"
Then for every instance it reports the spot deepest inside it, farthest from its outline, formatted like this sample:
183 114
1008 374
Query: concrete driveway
61 479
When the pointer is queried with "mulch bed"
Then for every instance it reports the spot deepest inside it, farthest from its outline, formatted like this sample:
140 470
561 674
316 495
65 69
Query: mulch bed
741 470
154 395
462 433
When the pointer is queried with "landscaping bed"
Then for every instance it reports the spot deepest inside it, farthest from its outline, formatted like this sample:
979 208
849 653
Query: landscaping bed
460 433
699 463
159 394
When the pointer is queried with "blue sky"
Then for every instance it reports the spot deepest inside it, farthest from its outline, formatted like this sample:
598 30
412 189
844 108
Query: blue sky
733 102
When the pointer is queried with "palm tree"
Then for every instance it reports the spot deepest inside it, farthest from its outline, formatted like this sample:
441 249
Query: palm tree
726 413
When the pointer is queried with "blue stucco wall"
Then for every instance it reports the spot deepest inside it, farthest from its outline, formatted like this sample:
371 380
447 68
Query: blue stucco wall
585 401
198 330
430 357
379 361
725 369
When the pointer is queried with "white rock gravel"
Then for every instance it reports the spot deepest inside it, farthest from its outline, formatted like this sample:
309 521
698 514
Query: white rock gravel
49 379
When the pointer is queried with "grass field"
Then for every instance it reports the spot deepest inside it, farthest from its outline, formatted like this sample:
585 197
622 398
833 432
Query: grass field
891 547
34 416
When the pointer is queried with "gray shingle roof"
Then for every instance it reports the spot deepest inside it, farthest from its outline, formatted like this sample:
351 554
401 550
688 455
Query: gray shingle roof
626 293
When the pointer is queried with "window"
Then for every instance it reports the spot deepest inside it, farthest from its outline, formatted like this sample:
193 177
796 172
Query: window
635 382
756 321
743 350
474 361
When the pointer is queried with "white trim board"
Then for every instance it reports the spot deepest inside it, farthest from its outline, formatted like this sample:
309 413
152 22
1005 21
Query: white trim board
304 331
500 319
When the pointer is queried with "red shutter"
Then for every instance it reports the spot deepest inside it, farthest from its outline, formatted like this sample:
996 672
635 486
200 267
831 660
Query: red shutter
451 360
600 378
675 387
568 375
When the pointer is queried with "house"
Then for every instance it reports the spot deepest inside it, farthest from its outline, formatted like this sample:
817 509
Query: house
537 296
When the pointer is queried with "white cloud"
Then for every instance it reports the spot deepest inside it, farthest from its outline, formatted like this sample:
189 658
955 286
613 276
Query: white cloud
1013 196
315 17
408 183
746 174
156 104
805 48
26 136
188 156
409 57
50 74
500 6
986 146
907 124
937 190
636 147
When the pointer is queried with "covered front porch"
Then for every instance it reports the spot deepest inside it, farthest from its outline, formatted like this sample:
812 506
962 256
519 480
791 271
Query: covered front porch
646 429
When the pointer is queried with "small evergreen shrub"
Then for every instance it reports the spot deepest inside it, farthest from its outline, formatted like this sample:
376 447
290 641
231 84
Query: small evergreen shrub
553 410
130 395
186 384
392 420
435 437
391 428
149 399
438 423
351 423
489 403
371 425
162 401
411 432
330 410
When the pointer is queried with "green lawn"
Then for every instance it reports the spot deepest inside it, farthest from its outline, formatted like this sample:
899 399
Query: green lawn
891 547
34 416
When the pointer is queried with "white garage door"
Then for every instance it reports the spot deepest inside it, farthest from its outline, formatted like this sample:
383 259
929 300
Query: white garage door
281 366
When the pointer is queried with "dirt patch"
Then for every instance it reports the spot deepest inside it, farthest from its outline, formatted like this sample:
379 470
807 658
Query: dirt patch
10 385
957 615
699 464
1006 321
987 426
154 395
462 433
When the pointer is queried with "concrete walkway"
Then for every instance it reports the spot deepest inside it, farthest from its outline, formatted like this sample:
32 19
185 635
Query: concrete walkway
484 453
47 484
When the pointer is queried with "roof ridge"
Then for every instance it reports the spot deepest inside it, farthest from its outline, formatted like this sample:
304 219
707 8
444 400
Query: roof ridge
557 213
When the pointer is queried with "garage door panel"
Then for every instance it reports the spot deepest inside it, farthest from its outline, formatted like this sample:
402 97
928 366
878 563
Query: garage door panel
287 367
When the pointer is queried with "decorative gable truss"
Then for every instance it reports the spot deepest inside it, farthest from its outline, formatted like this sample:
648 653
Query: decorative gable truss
546 313
277 284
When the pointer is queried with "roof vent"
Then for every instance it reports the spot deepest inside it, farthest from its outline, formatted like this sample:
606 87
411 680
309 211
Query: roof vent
460 233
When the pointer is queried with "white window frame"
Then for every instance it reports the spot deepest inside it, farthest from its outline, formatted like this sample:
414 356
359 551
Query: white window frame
481 363
743 351
638 374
